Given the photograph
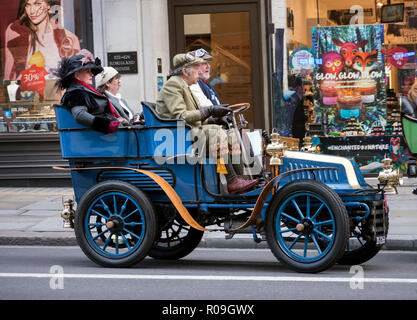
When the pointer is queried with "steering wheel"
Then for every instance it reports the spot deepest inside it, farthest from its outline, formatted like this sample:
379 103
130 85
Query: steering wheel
239 107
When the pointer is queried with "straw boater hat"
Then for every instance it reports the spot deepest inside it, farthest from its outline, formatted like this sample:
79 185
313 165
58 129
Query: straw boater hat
107 74
68 66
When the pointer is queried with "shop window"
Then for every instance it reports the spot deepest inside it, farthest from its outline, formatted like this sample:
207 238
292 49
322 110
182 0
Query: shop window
349 65
227 37
35 35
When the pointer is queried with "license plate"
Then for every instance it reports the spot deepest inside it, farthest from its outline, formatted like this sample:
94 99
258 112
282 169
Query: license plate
380 240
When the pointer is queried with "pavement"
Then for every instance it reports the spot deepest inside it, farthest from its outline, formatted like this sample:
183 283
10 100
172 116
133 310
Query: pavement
31 216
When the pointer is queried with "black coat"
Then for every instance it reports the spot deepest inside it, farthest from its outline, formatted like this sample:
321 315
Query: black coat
88 107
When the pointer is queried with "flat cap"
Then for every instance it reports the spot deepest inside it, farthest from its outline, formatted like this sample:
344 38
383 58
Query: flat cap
184 60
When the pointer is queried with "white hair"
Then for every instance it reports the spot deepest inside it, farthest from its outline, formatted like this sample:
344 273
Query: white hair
204 76
188 70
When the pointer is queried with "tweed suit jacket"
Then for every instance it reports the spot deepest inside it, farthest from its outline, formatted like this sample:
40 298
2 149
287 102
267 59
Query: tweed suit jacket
176 101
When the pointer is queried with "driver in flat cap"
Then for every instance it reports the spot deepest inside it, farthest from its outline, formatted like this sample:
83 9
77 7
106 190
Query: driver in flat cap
176 101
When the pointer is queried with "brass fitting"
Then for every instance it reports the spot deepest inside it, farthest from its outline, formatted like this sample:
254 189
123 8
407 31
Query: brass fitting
308 146
389 177
68 213
276 149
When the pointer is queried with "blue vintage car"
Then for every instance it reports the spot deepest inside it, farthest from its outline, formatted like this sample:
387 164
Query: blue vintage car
135 199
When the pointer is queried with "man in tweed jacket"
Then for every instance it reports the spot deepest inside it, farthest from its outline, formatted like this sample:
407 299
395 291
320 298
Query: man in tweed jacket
176 101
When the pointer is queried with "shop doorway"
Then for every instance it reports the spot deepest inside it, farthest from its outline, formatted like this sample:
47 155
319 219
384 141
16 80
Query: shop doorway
231 32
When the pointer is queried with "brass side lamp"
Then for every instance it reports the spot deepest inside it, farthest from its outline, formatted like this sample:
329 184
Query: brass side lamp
276 149
308 146
389 177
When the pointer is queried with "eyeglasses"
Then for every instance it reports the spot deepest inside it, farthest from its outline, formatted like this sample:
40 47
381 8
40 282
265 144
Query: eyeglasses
116 79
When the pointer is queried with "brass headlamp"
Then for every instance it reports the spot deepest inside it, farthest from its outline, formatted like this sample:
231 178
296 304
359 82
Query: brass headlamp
276 149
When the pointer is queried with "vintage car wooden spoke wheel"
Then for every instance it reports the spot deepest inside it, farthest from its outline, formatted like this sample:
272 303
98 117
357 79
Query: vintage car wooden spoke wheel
176 239
307 226
115 224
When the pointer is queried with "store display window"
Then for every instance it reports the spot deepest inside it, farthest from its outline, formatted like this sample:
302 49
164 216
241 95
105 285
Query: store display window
35 36
354 60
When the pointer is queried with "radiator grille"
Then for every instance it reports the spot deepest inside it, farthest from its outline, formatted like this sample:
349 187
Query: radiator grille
138 179
327 176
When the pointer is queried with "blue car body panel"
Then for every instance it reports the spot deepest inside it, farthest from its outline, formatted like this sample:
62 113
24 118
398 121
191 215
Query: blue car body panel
139 147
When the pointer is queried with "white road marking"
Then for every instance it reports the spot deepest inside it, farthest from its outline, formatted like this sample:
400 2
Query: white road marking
195 250
12 246
204 277
269 250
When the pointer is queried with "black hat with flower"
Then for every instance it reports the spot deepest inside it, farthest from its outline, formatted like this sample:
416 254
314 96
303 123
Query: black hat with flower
68 66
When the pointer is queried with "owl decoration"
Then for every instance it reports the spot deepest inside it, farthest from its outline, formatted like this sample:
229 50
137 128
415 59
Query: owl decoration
332 62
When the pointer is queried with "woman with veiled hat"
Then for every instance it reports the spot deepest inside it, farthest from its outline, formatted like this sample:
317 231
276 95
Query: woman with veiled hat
88 106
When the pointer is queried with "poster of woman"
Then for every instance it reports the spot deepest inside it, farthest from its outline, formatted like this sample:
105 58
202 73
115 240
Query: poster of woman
350 76
35 37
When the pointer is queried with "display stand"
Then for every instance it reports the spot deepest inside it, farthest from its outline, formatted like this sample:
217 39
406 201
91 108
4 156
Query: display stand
27 116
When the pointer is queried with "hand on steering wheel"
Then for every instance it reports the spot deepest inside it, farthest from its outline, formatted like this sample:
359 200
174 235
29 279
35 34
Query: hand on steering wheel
239 107
221 121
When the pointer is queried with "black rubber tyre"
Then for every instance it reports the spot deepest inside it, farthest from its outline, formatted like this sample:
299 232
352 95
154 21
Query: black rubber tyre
115 224
322 217
366 251
361 254
176 240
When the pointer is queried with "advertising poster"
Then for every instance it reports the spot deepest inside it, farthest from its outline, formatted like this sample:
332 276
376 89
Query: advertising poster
349 77
302 61
33 38
368 151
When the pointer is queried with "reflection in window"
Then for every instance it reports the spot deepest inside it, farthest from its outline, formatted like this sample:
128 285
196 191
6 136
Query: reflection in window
227 37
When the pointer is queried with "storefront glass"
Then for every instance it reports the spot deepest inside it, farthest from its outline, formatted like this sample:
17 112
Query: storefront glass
350 63
227 37
35 35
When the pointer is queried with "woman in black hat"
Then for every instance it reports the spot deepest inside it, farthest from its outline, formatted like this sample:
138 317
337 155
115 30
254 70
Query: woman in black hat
88 106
